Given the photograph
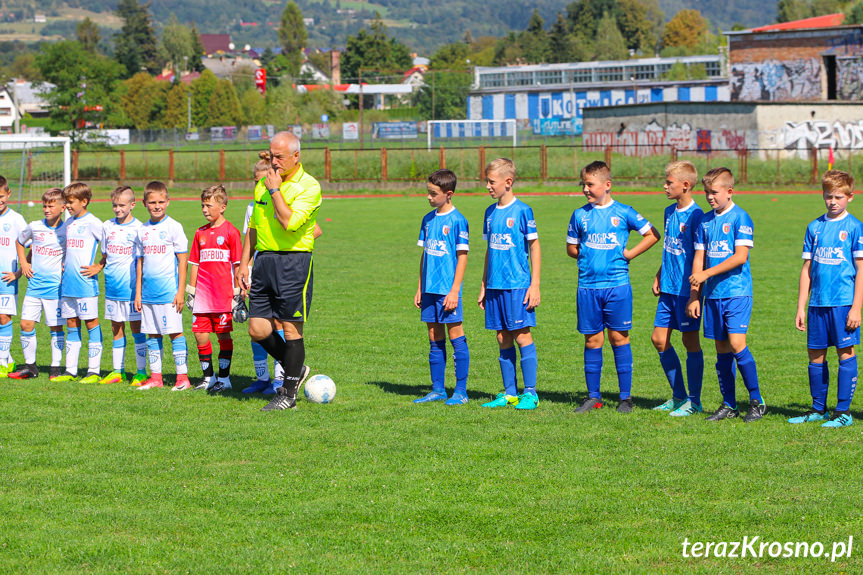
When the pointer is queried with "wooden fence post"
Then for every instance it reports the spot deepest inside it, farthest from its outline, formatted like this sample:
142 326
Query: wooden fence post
608 156
481 163
171 165
543 163
122 165
75 165
813 156
383 164
441 158
328 162
221 165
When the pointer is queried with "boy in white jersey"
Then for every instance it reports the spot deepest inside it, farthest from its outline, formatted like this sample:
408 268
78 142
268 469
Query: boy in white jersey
832 282
47 241
160 285
79 299
120 262
11 224
214 258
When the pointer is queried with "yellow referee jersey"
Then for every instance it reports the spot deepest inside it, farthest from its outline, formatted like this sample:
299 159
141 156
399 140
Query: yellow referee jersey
302 193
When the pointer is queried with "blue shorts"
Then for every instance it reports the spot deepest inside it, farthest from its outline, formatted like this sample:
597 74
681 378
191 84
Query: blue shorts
433 311
505 310
671 313
827 328
726 315
604 308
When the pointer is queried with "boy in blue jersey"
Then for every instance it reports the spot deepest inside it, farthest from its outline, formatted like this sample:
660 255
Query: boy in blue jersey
597 236
832 254
47 241
509 292
11 224
79 299
119 260
444 238
160 286
671 285
721 268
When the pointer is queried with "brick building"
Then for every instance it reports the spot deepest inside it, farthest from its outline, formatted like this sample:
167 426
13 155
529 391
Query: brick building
803 61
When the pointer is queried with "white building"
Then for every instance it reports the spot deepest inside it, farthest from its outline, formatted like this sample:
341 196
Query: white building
9 113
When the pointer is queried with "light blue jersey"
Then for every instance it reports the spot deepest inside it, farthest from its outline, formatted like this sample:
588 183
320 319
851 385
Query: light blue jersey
508 230
11 224
718 236
832 246
678 248
48 248
120 246
601 232
159 245
83 235
441 236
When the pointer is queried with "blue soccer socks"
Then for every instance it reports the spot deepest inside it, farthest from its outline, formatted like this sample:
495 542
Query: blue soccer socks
695 375
507 371
461 359
623 365
437 364
725 374
749 372
529 368
819 382
673 372
593 371
847 384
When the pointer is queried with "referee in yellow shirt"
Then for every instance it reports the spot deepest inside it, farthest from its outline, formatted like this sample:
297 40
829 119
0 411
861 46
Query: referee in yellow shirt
281 229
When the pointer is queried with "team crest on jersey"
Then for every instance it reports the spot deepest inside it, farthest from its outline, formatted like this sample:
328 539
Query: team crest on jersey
726 228
220 240
843 235
510 222
6 227
163 235
615 221
445 230
682 228
202 242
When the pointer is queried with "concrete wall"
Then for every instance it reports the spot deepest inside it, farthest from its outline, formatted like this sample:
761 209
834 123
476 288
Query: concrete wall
725 126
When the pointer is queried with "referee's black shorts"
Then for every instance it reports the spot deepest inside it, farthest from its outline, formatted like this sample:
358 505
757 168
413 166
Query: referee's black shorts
281 286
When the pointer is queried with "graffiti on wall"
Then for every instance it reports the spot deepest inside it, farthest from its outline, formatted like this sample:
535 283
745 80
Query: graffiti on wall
823 134
655 139
776 80
849 72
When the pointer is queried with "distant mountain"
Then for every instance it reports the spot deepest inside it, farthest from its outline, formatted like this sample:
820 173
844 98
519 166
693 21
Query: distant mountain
421 25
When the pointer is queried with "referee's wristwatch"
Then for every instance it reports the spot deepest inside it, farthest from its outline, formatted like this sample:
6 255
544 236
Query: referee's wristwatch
273 191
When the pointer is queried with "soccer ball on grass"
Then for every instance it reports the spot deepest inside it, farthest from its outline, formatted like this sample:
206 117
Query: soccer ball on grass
319 389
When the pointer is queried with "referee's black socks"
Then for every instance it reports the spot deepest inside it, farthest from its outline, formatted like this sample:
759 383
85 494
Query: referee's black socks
274 345
292 362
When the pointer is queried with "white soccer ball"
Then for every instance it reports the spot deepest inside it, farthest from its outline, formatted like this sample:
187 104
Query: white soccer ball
30 204
319 389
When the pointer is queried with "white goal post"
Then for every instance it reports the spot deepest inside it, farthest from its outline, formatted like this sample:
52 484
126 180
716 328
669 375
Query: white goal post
32 164
471 130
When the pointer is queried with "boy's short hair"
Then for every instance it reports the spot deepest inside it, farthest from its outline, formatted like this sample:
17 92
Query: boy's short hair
4 185
837 181
217 193
684 170
721 176
53 195
501 166
155 187
264 163
119 191
444 179
78 191
597 168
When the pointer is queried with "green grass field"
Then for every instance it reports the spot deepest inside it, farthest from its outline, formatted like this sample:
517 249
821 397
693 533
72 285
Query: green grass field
105 479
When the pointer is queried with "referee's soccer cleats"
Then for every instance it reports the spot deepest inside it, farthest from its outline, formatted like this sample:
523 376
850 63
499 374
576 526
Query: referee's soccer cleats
458 398
811 415
281 401
432 396
839 419
670 405
527 401
589 405
27 371
756 411
724 412
688 408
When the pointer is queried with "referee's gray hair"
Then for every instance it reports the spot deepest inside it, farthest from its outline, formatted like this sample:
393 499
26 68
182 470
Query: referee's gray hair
294 145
